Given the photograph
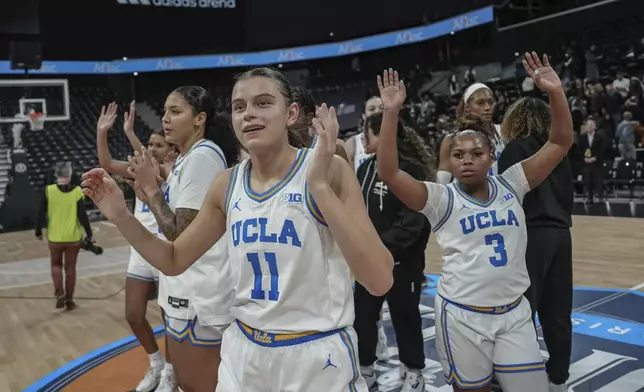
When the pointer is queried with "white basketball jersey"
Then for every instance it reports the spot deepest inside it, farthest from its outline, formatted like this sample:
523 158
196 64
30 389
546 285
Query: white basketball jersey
143 214
483 241
290 274
178 294
360 154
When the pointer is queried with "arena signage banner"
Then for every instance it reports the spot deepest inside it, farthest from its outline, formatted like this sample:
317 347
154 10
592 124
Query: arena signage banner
182 3
313 52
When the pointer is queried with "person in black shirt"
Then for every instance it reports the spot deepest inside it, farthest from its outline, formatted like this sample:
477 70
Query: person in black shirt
405 233
548 210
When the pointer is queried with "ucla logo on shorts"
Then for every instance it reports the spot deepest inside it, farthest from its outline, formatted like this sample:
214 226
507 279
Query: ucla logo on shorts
501 309
262 337
291 198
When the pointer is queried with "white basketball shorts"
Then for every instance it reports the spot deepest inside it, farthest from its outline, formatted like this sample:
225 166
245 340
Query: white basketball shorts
475 343
139 269
311 362
193 331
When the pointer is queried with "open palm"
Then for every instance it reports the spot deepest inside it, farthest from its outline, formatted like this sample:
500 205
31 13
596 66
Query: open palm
392 90
327 128
541 72
105 193
107 118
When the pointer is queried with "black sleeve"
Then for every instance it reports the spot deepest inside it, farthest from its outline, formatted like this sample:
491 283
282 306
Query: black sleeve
407 227
41 216
512 153
82 218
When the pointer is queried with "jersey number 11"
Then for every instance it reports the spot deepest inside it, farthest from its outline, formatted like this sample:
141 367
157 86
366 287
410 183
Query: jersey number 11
255 261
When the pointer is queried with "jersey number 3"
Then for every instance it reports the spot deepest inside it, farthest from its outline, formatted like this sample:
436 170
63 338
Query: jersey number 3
500 259
255 261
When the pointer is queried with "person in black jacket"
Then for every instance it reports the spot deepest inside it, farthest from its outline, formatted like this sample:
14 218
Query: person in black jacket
405 233
548 215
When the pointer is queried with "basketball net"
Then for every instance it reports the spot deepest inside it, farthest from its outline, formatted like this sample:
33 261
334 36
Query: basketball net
36 121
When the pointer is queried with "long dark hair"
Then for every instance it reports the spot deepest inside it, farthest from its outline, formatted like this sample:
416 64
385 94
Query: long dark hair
285 89
411 147
217 128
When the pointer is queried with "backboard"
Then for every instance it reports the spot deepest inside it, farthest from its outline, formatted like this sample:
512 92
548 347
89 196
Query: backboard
19 97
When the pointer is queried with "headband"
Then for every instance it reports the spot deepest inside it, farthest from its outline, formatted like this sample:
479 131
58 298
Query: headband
470 90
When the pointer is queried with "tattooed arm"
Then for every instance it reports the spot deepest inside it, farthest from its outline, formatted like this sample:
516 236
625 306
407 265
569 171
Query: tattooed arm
197 172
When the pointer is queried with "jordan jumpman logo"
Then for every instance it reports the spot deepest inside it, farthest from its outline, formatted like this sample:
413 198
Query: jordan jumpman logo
328 363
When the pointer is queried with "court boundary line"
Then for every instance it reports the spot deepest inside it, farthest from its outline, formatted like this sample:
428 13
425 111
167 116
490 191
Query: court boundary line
71 371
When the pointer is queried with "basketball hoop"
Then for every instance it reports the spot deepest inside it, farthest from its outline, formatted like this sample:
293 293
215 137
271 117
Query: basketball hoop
36 121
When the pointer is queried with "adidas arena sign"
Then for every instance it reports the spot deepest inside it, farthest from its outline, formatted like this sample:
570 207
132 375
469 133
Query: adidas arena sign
182 3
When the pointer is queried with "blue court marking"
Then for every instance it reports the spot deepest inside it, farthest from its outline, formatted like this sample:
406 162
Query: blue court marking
64 375
608 328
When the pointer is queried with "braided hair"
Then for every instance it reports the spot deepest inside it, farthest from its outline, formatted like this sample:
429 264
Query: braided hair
471 125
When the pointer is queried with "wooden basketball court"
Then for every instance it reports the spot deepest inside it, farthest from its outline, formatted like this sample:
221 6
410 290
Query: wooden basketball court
36 339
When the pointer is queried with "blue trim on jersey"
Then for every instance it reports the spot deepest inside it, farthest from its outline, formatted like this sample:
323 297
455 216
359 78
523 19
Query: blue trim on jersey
140 278
232 180
189 333
217 151
486 309
520 368
475 201
453 376
314 142
506 184
450 209
262 197
346 340
312 206
266 339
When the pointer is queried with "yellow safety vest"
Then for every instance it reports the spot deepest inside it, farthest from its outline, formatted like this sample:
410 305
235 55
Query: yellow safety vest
62 213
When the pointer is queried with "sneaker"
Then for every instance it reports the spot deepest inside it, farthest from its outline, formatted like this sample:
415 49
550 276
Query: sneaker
167 383
413 381
382 350
60 301
558 388
70 304
369 375
151 380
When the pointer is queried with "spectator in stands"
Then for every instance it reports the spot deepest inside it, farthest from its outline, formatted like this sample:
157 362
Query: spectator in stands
614 103
62 207
578 114
622 84
626 137
592 144
633 105
548 210
592 68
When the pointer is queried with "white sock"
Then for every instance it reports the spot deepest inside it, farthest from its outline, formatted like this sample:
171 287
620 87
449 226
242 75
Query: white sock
156 359
168 368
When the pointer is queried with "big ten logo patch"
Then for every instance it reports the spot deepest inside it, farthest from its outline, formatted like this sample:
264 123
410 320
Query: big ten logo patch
291 198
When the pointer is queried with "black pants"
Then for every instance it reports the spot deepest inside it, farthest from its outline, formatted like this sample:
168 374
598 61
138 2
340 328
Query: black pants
403 300
592 176
549 261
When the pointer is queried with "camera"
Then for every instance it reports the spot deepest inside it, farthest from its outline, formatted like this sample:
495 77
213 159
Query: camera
90 246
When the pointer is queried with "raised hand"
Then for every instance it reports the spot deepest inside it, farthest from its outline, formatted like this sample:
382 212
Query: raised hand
327 127
542 73
128 118
105 193
145 171
392 91
107 118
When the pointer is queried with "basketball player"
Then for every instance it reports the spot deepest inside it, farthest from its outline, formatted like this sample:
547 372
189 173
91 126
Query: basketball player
141 276
477 100
196 302
303 126
64 213
298 230
484 324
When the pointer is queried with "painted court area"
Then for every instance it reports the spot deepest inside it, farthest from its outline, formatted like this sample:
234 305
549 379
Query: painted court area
90 349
